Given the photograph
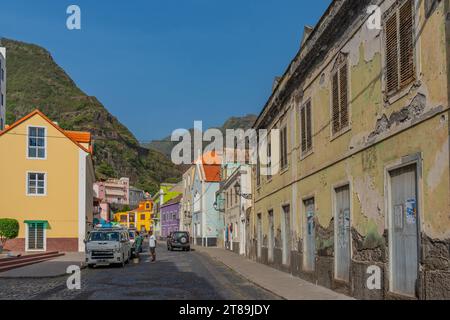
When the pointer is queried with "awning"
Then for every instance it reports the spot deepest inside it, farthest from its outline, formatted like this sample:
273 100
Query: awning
45 222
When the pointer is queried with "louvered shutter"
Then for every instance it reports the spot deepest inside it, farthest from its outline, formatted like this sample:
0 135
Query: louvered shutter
335 106
308 127
391 54
285 147
283 144
304 140
343 80
406 50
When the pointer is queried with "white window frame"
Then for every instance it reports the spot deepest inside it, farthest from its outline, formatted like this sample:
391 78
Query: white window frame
26 240
28 142
27 176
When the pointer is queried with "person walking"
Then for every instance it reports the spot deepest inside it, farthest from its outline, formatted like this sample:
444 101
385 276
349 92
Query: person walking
152 245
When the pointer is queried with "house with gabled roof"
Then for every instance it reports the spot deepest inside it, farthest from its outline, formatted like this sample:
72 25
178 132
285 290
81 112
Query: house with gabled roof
207 222
47 179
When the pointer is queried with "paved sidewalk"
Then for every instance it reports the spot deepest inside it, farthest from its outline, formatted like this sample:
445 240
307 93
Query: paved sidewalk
275 281
49 269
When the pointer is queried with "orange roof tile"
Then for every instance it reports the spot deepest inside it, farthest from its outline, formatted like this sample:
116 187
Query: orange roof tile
212 173
210 158
79 136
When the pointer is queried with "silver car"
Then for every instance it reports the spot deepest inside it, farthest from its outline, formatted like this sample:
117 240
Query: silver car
108 246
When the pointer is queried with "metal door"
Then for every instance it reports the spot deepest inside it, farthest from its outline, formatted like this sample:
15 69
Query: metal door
271 236
286 235
310 236
342 259
259 236
242 243
404 230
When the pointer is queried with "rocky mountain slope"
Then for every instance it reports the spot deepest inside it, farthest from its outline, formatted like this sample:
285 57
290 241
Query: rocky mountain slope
165 145
36 81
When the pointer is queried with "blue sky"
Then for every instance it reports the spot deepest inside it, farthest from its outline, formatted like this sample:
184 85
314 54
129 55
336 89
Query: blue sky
160 65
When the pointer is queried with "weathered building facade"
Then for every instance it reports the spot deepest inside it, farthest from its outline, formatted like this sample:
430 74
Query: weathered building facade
207 222
170 216
233 199
186 210
2 88
364 184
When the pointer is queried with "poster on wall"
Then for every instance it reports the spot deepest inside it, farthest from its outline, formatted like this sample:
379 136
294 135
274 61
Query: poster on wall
411 211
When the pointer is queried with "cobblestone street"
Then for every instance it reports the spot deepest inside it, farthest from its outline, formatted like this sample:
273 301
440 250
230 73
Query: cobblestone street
174 276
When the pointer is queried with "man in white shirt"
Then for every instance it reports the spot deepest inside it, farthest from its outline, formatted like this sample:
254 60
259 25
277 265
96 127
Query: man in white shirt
152 245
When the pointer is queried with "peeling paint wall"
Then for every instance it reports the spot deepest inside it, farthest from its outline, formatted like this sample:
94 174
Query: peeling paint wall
383 132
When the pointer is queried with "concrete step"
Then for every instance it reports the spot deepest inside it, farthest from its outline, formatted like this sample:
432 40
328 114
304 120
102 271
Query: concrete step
9 260
40 254
9 265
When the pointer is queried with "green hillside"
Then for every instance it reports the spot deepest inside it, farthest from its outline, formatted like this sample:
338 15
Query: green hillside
165 145
36 81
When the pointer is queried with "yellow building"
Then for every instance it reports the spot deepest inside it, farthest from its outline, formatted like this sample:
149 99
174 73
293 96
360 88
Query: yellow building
141 219
360 192
47 177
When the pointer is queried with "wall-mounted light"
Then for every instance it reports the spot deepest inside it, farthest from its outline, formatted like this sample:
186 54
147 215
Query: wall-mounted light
237 189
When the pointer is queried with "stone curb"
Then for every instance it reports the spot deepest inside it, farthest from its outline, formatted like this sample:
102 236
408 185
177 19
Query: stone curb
241 274
82 266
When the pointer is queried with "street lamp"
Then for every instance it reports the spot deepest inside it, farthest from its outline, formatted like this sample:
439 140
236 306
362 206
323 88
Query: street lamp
237 189
217 204
217 207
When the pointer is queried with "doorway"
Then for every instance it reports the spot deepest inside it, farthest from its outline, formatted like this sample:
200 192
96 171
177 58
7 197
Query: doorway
342 233
286 235
271 237
403 230
259 236
310 236
242 233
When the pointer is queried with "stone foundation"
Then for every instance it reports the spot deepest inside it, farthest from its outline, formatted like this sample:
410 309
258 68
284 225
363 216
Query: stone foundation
53 244
207 242
236 247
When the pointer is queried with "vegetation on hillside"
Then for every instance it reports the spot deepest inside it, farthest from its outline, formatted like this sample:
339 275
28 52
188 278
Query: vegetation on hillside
36 81
165 146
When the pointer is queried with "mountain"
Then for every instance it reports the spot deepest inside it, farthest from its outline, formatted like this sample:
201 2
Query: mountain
36 81
165 145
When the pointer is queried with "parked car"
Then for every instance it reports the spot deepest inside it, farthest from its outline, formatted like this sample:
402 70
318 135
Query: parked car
179 240
132 236
106 246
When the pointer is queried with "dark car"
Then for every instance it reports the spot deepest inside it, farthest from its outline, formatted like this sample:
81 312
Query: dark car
178 240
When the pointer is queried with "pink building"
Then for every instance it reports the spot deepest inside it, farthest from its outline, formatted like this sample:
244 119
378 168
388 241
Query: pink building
113 191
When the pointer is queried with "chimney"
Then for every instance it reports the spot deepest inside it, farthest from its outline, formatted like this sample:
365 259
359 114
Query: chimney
276 82
161 197
306 33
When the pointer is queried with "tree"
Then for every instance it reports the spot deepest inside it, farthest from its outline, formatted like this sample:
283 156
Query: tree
106 170
9 229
